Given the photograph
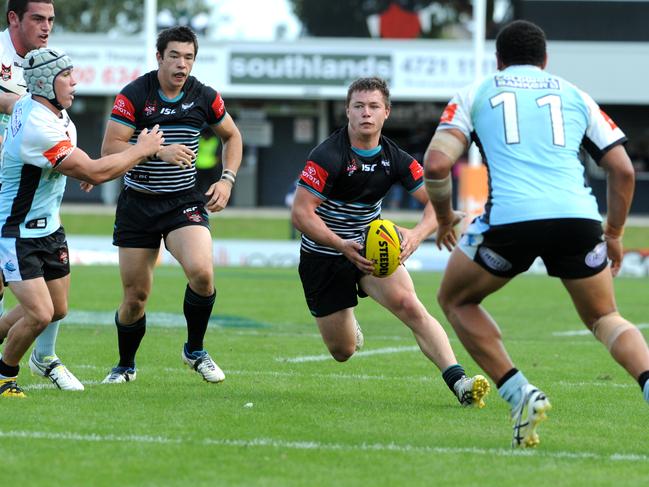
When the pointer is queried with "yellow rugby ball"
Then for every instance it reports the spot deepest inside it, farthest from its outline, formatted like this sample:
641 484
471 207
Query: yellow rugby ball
382 246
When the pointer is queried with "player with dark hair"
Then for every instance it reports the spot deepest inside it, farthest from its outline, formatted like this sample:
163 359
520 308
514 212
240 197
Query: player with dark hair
338 194
39 151
30 23
529 125
160 200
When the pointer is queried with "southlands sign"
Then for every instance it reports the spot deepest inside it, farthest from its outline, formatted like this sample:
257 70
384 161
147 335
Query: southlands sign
306 68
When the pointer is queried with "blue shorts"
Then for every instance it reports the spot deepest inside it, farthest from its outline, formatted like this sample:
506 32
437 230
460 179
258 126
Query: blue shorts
571 248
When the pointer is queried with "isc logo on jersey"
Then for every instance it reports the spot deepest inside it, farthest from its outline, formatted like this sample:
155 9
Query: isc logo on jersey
382 245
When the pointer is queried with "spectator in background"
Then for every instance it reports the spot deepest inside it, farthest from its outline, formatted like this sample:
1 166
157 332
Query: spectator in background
208 160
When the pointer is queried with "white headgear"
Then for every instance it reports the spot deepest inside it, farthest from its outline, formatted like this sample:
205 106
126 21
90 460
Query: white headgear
40 68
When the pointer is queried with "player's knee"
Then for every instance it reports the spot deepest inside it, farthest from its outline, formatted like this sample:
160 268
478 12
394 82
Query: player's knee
41 318
202 281
608 328
342 354
59 315
135 299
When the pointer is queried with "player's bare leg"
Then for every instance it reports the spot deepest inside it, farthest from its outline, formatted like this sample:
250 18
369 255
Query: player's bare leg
338 331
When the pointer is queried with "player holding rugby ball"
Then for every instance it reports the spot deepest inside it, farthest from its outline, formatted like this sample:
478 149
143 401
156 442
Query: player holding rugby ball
339 193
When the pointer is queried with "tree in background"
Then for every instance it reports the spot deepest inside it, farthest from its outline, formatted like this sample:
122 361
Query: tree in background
121 17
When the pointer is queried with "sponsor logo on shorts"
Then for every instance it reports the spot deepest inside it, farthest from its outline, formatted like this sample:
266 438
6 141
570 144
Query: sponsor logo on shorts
64 257
493 260
193 214
597 256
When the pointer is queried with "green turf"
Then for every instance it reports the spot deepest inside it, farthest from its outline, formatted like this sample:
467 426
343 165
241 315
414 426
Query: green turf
378 420
225 227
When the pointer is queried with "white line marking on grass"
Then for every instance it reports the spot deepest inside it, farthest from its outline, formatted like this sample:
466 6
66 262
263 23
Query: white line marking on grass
316 445
366 353
585 331
333 376
49 385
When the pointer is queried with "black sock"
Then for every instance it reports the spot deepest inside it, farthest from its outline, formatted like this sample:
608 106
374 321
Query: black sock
128 340
197 311
8 370
643 378
511 373
452 374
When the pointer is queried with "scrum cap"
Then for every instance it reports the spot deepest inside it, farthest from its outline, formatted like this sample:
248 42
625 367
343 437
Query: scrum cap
40 68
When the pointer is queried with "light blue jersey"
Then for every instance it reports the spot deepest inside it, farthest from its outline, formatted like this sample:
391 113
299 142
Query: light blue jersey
530 126
37 141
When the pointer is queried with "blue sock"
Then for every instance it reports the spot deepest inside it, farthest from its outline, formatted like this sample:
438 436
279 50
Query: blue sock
645 391
46 342
510 391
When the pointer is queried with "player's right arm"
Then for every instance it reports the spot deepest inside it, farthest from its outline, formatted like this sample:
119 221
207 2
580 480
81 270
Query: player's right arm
620 185
444 150
95 171
117 136
7 102
306 220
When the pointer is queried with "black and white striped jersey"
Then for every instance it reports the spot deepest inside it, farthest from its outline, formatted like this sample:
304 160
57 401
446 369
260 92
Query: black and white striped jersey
141 104
352 184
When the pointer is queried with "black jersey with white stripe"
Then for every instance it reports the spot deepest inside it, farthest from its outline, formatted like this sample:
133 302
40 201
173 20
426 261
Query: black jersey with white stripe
352 185
141 104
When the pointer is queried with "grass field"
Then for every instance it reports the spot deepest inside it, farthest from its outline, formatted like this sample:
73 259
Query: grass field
289 416
224 226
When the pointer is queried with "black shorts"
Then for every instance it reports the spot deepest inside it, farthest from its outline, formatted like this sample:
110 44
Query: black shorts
142 219
571 248
330 283
29 258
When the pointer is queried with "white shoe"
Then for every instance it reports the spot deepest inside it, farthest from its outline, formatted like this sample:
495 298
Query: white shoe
55 371
202 363
360 339
470 391
119 375
527 415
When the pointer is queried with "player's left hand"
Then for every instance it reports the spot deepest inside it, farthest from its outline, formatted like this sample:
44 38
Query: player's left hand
86 187
410 241
218 196
446 230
